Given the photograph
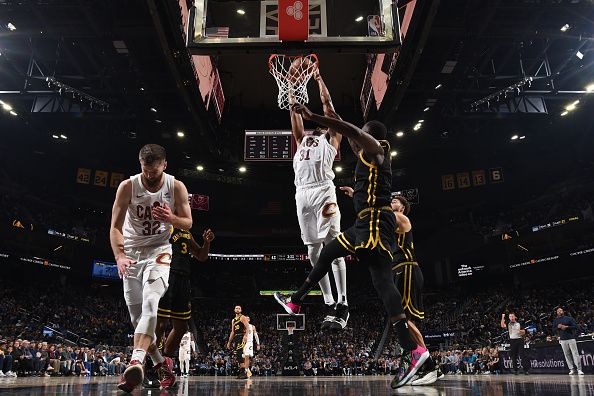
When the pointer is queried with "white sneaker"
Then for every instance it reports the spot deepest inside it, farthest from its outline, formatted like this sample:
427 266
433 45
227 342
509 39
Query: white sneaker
11 374
2 374
573 372
580 372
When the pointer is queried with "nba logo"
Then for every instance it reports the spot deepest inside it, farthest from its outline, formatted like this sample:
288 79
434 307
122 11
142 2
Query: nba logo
374 25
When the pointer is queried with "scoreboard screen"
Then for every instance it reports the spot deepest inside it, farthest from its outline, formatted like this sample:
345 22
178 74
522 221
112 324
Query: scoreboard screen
269 145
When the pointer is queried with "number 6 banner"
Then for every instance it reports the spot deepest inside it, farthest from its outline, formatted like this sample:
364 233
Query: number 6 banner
293 20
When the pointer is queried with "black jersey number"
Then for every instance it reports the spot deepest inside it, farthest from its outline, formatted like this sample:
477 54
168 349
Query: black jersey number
184 248
151 228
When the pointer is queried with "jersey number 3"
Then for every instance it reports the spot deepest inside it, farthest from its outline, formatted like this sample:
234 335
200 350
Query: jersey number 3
184 248
151 228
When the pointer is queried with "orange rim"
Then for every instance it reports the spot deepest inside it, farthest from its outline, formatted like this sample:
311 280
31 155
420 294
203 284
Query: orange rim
274 56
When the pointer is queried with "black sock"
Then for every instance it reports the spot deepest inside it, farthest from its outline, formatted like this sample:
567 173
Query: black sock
406 341
299 295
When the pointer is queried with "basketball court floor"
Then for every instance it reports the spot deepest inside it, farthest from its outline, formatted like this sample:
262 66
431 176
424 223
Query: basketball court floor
332 386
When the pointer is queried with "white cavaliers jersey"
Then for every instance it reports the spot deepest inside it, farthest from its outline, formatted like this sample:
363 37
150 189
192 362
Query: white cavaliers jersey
313 161
250 334
185 343
140 229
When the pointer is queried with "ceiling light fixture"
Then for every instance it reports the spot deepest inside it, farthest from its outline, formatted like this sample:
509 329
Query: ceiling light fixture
11 27
572 106
359 19
338 169
417 127
200 168
565 27
564 113
438 86
13 112
6 106
153 110
180 134
242 169
579 54
426 109
56 136
64 137
240 11
522 137
515 137
590 88
399 134
394 153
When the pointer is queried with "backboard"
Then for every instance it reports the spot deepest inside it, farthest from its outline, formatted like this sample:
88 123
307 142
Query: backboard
355 26
297 322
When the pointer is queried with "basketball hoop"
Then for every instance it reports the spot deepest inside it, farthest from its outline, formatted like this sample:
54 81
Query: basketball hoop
292 73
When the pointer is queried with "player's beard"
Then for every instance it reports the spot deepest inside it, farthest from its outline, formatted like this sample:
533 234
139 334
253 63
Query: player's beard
154 182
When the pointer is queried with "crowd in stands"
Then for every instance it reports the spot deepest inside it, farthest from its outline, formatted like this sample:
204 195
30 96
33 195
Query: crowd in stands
62 331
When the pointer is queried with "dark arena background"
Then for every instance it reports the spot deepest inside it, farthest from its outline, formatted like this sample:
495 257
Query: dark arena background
489 110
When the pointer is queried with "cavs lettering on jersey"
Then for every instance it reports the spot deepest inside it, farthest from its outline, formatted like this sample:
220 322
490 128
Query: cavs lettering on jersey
238 326
180 246
140 229
313 160
406 248
373 183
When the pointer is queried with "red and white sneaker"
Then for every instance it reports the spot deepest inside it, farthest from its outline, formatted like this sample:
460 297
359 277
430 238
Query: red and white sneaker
132 376
291 308
415 358
166 375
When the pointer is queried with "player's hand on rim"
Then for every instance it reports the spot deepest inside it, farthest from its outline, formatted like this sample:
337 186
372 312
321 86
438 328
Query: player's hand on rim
162 213
123 264
347 190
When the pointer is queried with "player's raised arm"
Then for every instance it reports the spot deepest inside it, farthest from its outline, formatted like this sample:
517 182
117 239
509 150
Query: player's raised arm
329 111
297 127
371 147
201 252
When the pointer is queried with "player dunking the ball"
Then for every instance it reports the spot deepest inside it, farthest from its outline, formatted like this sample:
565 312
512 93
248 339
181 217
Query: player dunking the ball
372 239
317 209
142 216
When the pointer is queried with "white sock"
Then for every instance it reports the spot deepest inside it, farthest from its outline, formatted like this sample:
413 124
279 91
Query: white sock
138 354
314 254
156 356
339 270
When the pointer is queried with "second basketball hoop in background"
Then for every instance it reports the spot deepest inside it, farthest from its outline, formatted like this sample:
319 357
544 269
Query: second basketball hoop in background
292 73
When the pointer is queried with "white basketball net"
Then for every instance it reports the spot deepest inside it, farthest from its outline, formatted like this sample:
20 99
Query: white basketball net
292 73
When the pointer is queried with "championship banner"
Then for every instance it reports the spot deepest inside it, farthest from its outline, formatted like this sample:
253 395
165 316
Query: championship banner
293 20
549 359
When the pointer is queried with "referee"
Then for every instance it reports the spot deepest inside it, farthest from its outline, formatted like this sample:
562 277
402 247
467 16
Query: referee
516 340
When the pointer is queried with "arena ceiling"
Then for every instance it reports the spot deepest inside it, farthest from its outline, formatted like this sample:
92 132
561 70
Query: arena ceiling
130 56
